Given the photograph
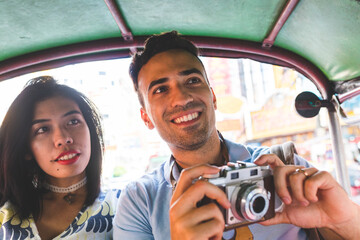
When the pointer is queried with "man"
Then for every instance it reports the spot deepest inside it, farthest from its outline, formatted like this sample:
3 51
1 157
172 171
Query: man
177 100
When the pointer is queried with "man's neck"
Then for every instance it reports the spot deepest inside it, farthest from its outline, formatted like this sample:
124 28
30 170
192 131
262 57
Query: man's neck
209 153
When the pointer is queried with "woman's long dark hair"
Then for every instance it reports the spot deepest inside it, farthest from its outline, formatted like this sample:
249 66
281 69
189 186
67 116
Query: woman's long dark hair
17 173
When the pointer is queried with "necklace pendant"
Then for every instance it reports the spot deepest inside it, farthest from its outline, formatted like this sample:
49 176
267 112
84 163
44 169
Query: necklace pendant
69 198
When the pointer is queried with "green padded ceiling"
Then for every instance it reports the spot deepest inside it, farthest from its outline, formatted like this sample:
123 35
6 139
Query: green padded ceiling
31 25
249 20
326 32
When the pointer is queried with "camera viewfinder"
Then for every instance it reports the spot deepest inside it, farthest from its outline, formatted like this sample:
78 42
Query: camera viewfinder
235 175
253 172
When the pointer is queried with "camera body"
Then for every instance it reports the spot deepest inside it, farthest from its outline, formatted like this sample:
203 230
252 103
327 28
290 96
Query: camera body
250 190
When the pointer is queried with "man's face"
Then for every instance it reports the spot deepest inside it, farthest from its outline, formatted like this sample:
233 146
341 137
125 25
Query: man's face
178 101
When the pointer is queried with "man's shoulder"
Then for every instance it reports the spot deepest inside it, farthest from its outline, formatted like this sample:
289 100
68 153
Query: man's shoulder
139 201
148 183
249 153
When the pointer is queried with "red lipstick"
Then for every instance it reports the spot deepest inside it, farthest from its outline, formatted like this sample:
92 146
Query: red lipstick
68 157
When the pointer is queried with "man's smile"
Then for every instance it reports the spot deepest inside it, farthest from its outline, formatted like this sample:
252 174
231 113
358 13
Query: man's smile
186 118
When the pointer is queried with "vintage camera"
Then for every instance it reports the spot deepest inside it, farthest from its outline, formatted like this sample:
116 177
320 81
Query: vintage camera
249 188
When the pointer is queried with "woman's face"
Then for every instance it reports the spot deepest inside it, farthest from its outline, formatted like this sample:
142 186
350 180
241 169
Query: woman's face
60 138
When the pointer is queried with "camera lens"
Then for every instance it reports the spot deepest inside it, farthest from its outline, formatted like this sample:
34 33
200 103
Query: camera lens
258 204
251 202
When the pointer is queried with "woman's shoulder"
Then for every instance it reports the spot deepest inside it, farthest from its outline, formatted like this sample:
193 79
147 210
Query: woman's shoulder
96 219
110 197
11 225
109 194
7 212
105 202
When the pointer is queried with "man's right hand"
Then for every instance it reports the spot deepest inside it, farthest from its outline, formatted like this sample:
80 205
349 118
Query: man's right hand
187 221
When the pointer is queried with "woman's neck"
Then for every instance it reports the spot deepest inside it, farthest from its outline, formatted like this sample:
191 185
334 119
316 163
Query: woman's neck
64 182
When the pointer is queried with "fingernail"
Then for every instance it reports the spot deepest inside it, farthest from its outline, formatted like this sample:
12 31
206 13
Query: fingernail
305 203
286 200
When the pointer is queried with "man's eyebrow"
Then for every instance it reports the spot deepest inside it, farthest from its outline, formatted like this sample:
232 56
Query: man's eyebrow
182 73
190 71
156 82
46 120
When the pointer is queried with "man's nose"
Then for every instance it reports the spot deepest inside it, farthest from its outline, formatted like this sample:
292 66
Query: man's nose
181 96
62 138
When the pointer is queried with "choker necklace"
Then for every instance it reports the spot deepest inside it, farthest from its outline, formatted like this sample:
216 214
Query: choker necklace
69 197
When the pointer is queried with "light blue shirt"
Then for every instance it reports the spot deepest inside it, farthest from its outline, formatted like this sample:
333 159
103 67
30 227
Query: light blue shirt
143 208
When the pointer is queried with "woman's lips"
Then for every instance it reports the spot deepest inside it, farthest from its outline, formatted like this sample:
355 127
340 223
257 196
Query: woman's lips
68 157
69 160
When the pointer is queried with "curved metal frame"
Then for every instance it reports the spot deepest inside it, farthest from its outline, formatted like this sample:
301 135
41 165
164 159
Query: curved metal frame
106 48
221 47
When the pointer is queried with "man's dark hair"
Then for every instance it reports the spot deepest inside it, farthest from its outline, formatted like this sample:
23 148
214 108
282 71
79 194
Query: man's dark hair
154 45
16 171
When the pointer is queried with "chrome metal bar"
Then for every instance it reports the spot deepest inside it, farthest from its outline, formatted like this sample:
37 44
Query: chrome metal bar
345 96
338 151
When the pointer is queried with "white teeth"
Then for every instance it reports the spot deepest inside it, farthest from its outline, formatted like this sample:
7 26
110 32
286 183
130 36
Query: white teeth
186 118
67 157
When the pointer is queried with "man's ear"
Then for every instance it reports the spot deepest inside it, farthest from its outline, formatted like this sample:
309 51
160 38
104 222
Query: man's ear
146 119
214 98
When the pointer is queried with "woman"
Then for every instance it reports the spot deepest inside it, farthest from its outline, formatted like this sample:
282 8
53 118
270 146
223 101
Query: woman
51 147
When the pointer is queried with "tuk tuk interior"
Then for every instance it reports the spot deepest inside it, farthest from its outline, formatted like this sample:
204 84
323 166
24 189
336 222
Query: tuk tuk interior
319 39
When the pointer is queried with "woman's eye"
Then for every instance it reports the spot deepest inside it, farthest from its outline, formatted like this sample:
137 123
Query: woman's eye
41 130
74 122
160 90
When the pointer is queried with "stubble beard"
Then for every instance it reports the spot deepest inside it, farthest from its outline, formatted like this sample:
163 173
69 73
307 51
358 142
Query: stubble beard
194 138
191 138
